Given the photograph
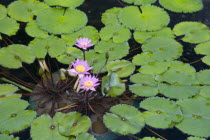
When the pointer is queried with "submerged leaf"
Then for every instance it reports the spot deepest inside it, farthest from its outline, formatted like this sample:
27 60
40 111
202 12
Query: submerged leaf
110 16
64 3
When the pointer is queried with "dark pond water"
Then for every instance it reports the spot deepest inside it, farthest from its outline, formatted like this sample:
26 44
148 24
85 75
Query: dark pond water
94 10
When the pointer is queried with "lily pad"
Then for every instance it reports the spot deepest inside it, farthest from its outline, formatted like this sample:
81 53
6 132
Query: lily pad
24 10
110 16
204 49
89 32
143 58
127 117
62 22
46 128
194 32
205 91
117 33
195 138
162 113
85 136
140 37
196 117
7 90
123 68
64 3
140 2
33 30
8 137
182 67
52 45
149 18
73 123
185 6
150 138
3 12
203 77
8 26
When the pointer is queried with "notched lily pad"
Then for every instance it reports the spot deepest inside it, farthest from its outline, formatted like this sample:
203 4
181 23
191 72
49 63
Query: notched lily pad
203 77
7 90
127 117
8 26
85 136
3 12
204 49
110 16
64 3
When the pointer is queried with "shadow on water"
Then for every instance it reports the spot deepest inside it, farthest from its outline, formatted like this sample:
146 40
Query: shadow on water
94 10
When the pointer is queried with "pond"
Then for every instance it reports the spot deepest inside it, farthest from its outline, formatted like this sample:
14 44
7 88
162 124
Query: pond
148 72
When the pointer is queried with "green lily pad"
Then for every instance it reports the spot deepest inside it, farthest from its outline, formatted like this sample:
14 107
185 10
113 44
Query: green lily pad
24 10
70 55
185 6
46 128
182 67
110 16
123 68
196 114
146 79
204 49
143 58
203 77
62 22
52 45
89 32
8 137
85 136
127 117
150 18
117 33
112 49
162 113
8 26
73 123
140 37
178 91
7 90
194 32
195 138
3 12
64 3
33 30
140 2
112 85
205 91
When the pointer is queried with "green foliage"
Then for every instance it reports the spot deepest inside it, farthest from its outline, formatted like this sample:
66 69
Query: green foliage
3 12
24 10
205 91
73 123
8 137
7 90
194 32
89 32
196 114
195 138
150 138
162 113
140 2
203 77
127 117
46 128
52 45
62 22
8 26
85 136
13 55
66 3
204 48
150 18
112 85
185 6
110 16
117 33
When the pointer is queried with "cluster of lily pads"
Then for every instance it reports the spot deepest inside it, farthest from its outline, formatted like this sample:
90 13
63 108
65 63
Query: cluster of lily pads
99 89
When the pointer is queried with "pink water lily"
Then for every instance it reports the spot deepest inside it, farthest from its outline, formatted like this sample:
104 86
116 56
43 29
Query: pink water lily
89 82
83 43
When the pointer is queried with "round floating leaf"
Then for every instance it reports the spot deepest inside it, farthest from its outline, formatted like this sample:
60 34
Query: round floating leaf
64 3
203 77
8 26
32 29
73 124
89 32
162 113
140 2
163 48
150 138
70 55
143 58
46 128
185 6
63 21
8 137
206 59
24 10
127 117
112 49
52 45
85 136
194 32
182 67
145 79
140 37
3 12
123 68
205 91
203 48
196 117
117 33
7 89
195 138
178 91
149 18
110 16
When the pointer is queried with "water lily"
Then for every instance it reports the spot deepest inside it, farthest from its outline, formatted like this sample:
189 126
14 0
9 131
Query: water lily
83 43
80 67
89 82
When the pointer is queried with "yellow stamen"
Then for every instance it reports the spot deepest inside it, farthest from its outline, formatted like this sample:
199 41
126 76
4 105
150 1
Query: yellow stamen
88 83
84 43
80 68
